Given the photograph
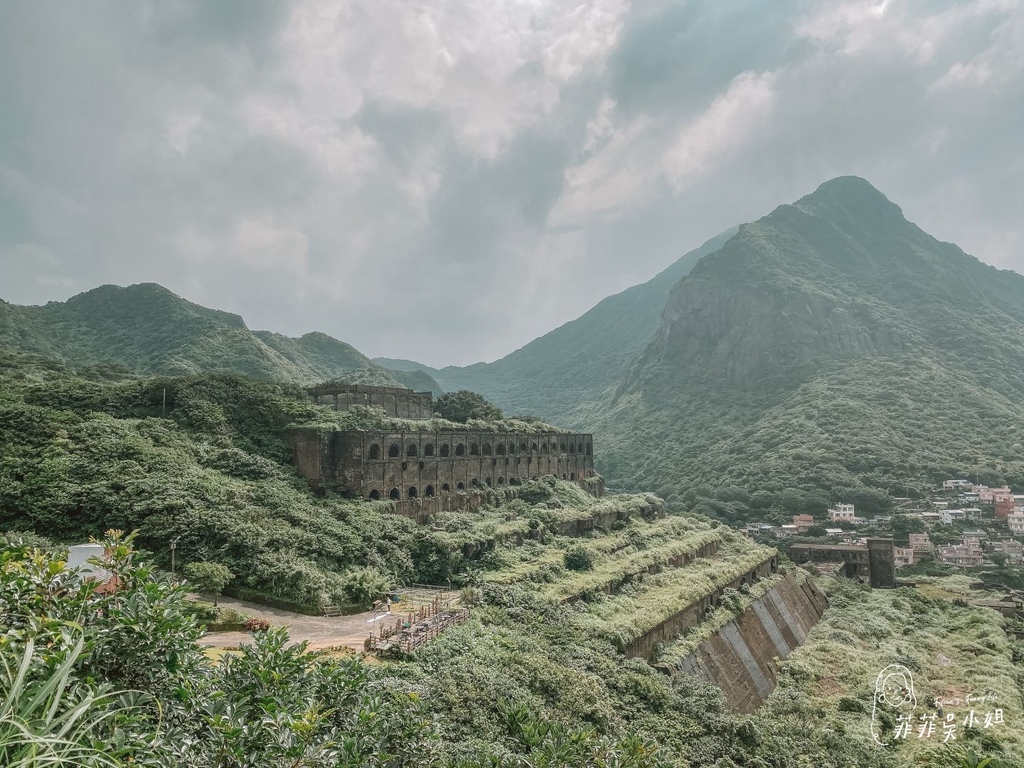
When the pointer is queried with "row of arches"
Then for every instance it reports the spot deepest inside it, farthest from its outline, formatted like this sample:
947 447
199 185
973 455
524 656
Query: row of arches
476 449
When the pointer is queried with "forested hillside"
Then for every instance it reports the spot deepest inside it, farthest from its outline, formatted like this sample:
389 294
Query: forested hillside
146 329
830 350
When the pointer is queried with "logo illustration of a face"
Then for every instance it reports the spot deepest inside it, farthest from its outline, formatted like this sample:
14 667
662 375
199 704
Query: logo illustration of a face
894 687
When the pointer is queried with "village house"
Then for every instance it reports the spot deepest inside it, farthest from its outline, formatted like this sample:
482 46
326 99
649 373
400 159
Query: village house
1013 550
1016 522
962 555
841 512
952 485
803 522
950 515
930 518
920 543
903 556
785 531
1004 505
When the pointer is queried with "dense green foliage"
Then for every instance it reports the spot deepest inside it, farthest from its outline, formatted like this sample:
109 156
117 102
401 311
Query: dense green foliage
463 405
147 329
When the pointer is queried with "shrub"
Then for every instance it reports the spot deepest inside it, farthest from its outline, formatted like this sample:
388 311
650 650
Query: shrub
579 558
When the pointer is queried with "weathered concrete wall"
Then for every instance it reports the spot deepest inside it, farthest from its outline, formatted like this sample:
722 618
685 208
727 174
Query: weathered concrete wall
401 403
694 614
740 657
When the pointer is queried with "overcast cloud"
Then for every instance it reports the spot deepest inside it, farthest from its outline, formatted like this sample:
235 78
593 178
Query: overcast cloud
446 181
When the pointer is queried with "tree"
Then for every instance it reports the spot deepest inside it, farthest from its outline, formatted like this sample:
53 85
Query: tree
208 578
579 558
464 405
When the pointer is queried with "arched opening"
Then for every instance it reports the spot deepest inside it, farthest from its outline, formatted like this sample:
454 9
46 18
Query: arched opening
394 450
429 491
412 450
512 448
374 495
534 449
422 465
395 494
428 449
514 481
405 465
488 481
572 447
543 447
565 476
487 449
460 449
501 481
475 482
412 492
524 448
500 449
563 447
445 450
474 449
445 488
460 487
534 478
374 451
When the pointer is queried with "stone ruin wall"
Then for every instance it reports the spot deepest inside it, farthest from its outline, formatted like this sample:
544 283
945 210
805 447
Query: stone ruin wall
427 467
396 402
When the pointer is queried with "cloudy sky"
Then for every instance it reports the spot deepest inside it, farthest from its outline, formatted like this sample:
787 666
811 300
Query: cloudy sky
446 181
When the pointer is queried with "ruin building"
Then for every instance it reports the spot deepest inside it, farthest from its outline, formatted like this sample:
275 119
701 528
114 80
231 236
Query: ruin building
408 465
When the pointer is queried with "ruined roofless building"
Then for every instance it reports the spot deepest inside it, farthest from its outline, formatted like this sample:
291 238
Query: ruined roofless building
401 466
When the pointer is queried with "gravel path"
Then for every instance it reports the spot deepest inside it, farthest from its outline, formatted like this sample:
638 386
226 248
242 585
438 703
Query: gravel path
319 631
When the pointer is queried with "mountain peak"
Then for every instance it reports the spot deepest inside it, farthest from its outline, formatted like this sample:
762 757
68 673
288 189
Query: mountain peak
851 199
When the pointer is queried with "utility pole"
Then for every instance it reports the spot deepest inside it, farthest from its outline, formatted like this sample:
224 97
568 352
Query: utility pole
163 415
174 546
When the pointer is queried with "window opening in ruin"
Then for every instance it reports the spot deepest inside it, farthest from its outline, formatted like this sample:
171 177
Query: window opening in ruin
590 450
374 451
429 491
445 450
475 482
422 465
533 448
474 449
412 491
461 487
395 494
405 465
445 488
523 448
487 449
412 450
512 448
506 462
374 495
494 462
460 449
572 447
500 449
565 476
501 481
543 447
394 451
428 449
563 447
488 481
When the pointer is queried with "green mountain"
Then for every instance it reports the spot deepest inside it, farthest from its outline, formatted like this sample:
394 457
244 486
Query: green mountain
831 350
577 363
147 329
